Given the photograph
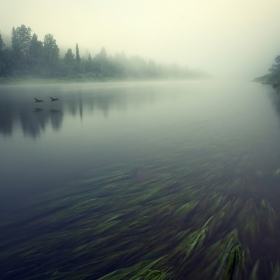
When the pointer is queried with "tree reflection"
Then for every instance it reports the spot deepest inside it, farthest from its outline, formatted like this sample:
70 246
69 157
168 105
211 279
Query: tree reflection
33 125
6 124
56 119
6 118
18 105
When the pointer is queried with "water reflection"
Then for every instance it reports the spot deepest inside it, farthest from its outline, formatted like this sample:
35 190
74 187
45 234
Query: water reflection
6 117
18 107
275 99
33 123
192 171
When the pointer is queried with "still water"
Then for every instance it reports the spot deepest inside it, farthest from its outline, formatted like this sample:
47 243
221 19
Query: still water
83 181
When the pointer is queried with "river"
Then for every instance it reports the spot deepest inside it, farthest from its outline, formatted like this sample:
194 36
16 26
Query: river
113 176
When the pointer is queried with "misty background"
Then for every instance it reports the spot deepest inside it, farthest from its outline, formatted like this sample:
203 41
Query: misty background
229 39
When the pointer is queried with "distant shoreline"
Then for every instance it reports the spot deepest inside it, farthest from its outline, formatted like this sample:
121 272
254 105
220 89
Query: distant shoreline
32 80
268 79
26 80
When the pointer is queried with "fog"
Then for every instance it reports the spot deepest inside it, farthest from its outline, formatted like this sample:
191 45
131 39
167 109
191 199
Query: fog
229 39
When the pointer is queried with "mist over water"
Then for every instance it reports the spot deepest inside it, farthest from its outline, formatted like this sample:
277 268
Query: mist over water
99 124
48 146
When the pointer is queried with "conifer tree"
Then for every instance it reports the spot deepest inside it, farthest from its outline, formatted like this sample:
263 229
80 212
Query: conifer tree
2 63
78 59
21 37
51 56
36 56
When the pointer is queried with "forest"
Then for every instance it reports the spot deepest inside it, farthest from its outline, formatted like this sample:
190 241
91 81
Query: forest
27 56
273 77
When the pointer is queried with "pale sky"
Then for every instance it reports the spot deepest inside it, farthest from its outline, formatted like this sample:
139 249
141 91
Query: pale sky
227 38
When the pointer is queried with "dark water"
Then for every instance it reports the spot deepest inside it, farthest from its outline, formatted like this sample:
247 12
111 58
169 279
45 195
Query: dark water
230 130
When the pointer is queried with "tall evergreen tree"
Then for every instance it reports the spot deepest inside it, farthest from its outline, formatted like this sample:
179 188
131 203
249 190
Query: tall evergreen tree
69 63
88 64
2 44
101 64
2 62
36 56
275 68
21 37
78 59
51 56
6 65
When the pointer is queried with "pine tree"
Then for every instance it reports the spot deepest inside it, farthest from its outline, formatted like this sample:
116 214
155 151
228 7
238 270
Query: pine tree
51 56
2 45
78 59
36 56
88 64
69 63
21 37
2 63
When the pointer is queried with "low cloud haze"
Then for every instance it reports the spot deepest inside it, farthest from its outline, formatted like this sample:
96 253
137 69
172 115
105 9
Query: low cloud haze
234 38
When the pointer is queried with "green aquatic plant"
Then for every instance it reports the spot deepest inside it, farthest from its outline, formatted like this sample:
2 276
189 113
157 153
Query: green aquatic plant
136 222
275 271
235 263
267 215
236 188
254 273
185 209
137 273
248 222
222 218
193 242
224 257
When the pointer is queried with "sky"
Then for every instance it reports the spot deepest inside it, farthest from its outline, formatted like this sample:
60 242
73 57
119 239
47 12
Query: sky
227 38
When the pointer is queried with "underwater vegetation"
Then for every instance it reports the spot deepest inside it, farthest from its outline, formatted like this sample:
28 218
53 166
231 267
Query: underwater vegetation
174 218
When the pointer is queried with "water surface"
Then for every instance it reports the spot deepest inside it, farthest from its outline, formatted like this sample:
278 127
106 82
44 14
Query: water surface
196 138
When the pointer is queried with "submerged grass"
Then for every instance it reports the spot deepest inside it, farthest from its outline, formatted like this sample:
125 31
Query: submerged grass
167 220
235 263
137 272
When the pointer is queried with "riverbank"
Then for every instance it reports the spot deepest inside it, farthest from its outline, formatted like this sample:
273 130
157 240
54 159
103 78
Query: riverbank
79 79
268 79
28 80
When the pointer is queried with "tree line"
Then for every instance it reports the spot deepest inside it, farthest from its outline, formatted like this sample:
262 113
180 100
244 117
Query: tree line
273 77
27 56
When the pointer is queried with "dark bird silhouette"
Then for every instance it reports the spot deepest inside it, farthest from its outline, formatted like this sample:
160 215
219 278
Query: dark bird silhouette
54 99
38 100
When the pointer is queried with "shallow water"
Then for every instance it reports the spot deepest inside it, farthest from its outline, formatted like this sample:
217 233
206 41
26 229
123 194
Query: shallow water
207 134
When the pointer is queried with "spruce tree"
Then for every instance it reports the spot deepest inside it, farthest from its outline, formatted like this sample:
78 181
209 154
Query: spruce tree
21 37
36 56
51 56
2 63
78 59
